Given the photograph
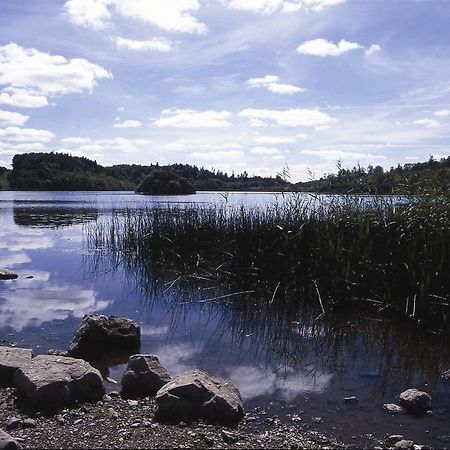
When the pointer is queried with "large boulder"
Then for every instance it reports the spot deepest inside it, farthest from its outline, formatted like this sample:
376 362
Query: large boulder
415 401
11 359
50 382
99 336
195 395
6 274
144 376
7 442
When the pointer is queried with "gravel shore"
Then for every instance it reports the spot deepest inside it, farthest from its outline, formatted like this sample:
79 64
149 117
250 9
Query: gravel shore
118 423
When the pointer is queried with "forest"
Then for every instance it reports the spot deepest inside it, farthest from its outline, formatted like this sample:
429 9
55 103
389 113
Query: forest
58 171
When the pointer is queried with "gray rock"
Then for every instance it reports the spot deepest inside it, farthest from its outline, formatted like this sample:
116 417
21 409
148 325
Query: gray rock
416 401
446 375
350 400
57 352
404 444
393 438
144 376
99 335
7 442
29 423
13 423
11 359
393 408
50 382
195 395
6 274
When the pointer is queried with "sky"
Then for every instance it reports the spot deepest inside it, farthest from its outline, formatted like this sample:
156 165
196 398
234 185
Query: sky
262 86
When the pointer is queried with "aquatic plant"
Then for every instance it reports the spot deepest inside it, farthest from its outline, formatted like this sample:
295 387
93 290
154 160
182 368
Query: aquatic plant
387 252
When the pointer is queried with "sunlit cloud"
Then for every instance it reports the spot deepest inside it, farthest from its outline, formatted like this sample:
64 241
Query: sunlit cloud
272 84
323 47
155 44
189 118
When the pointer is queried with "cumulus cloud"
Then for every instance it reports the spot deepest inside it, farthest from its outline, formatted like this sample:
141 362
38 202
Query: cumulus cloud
155 44
427 123
264 151
271 83
217 156
335 155
322 47
22 98
128 124
16 134
442 113
31 76
274 140
374 48
288 117
168 15
8 118
190 118
271 6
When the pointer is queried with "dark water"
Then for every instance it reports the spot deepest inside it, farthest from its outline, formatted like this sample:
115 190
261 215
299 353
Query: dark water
281 358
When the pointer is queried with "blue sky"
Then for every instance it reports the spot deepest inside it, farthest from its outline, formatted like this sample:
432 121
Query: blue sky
254 85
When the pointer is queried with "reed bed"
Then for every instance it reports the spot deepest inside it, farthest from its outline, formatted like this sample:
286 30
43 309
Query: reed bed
334 251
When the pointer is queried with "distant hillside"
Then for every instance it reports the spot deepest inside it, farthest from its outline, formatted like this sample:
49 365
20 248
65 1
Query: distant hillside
57 171
401 179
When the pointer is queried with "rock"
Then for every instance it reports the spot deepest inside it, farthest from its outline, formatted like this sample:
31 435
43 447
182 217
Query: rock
144 376
404 444
57 352
99 335
393 408
229 437
29 423
195 395
13 423
393 438
350 400
6 274
446 375
415 401
7 442
11 359
49 382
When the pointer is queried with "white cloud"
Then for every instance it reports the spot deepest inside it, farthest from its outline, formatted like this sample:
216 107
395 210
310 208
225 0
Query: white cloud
189 118
271 6
86 146
288 117
442 113
128 124
273 140
22 98
217 156
322 47
26 134
89 13
427 123
271 82
168 15
374 48
8 118
264 151
335 155
32 74
155 44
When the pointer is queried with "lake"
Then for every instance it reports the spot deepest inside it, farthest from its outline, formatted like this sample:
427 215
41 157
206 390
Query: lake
282 360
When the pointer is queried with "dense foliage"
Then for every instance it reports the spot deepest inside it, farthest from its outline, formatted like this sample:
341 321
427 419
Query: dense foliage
3 177
165 182
56 171
410 178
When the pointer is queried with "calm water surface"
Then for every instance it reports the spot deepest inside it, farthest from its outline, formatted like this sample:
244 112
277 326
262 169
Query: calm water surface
283 360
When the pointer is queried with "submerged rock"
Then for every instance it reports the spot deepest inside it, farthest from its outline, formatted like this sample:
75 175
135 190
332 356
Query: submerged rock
7 442
11 359
195 395
415 401
393 408
49 382
99 335
144 376
6 274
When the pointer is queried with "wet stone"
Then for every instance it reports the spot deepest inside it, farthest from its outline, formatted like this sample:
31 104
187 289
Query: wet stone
393 408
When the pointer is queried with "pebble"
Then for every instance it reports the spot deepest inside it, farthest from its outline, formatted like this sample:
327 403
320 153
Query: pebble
29 423
350 400
114 394
395 438
112 413
78 421
393 408
60 420
133 402
229 437
13 423
404 444
317 420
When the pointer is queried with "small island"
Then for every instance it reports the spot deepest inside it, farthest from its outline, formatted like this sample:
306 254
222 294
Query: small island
165 182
